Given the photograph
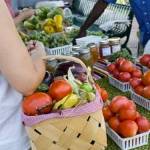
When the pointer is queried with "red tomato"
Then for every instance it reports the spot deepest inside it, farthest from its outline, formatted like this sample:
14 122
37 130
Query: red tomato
126 66
146 92
143 124
114 123
59 89
130 105
137 73
107 113
102 92
116 73
134 82
37 103
146 78
119 61
104 95
111 68
148 65
145 59
138 114
124 76
117 103
139 89
127 114
128 128
119 97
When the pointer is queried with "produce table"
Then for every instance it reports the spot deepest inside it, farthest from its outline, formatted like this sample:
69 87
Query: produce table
52 36
114 92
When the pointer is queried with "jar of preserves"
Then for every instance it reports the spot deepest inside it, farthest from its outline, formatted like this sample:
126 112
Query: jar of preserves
105 49
115 44
94 52
85 56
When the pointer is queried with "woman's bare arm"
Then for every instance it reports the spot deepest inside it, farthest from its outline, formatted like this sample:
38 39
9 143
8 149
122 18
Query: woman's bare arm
21 71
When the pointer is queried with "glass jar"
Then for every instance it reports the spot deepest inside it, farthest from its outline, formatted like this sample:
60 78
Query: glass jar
105 49
85 57
76 48
94 52
115 44
75 54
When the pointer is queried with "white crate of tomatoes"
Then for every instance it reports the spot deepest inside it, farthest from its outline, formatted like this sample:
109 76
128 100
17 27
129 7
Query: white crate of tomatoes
121 71
125 125
140 92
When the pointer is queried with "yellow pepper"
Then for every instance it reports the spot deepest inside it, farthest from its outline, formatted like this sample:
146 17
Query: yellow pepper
49 22
59 23
49 29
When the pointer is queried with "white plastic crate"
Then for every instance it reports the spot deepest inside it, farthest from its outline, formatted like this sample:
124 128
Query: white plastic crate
140 100
124 87
128 143
63 50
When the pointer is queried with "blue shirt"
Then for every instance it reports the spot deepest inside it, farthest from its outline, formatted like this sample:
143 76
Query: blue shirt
141 9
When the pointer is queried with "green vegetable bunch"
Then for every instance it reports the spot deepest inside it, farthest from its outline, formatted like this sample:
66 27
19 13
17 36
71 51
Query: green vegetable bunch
55 11
42 12
39 36
50 41
33 23
96 33
57 40
72 34
123 53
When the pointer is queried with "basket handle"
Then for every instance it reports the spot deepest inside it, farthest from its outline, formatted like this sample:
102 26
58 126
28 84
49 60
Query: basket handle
70 58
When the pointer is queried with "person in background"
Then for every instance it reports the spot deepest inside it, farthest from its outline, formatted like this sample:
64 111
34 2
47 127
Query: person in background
18 17
20 75
15 5
141 9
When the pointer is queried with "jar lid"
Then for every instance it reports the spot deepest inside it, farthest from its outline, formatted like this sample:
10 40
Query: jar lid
84 51
91 45
114 40
104 42
76 48
75 53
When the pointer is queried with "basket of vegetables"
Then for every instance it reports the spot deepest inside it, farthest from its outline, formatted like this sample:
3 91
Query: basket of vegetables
122 71
140 91
47 26
125 125
67 114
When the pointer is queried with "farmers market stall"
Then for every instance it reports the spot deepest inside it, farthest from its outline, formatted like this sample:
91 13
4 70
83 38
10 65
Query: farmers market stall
70 116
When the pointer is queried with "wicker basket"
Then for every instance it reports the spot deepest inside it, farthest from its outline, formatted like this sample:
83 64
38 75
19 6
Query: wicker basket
81 132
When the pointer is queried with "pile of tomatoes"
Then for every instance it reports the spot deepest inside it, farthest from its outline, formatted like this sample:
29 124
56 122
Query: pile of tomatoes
122 116
145 60
142 85
42 103
124 70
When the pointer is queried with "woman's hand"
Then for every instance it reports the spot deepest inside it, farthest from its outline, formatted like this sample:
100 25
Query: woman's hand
36 49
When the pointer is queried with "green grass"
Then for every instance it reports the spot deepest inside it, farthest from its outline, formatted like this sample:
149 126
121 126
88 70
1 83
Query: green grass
114 92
